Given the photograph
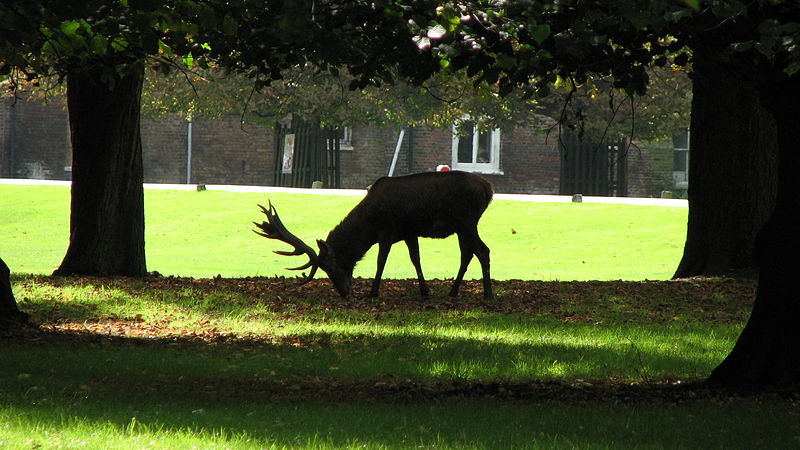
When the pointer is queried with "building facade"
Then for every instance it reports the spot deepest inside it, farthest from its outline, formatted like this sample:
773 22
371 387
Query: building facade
34 143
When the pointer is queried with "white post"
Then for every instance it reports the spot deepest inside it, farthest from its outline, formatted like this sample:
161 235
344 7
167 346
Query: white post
189 150
396 151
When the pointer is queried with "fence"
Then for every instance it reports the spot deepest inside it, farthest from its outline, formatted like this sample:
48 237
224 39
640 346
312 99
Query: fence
593 169
306 153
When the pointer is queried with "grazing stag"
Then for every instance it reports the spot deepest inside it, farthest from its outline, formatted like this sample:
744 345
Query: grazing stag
434 205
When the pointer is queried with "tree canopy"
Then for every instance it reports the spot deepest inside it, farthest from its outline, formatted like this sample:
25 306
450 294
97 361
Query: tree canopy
101 48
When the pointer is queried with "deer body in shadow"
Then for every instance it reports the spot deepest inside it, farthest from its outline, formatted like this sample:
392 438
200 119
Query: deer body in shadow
433 205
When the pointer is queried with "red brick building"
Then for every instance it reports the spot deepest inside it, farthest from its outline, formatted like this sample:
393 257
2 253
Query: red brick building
34 143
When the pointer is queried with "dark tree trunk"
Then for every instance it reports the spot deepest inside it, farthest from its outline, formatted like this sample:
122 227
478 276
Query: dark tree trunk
768 351
732 171
10 315
107 211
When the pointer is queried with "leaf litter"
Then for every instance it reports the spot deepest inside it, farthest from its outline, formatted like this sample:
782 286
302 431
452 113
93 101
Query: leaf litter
720 300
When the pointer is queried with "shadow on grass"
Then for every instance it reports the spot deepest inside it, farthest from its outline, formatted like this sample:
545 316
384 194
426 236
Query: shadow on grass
246 391
462 339
411 386
322 366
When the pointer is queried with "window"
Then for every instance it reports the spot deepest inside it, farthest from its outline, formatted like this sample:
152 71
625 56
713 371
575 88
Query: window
475 150
680 159
345 135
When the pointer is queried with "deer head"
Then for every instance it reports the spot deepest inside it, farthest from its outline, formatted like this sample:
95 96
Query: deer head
273 228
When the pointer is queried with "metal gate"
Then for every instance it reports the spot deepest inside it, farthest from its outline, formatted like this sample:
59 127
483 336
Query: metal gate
305 152
593 169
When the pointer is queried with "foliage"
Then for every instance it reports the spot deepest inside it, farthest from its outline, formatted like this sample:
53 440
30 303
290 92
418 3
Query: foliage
54 38
115 36
531 45
310 92
502 47
600 112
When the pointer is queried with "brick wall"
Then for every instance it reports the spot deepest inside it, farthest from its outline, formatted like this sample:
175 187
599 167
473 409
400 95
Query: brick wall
223 151
164 150
35 139
34 142
529 159
432 147
5 139
370 156
530 162
227 152
660 156
649 169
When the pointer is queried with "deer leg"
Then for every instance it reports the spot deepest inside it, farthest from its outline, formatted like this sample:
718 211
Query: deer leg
383 253
482 252
465 244
413 252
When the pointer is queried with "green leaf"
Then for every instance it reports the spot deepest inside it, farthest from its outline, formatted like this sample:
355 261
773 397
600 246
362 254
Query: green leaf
506 62
230 26
793 68
118 45
99 44
505 87
69 28
541 32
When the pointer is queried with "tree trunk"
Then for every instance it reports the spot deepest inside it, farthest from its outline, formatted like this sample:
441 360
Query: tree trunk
768 351
9 314
107 210
732 171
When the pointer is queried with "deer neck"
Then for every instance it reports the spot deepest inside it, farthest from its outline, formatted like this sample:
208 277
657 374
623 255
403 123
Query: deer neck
350 240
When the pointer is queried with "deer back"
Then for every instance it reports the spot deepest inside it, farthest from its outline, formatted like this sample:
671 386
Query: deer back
434 204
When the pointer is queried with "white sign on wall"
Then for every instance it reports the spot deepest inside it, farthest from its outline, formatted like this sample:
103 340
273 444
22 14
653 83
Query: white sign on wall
288 153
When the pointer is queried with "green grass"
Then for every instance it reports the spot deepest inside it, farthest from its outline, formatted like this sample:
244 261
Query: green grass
356 344
263 363
449 424
204 234
181 364
456 424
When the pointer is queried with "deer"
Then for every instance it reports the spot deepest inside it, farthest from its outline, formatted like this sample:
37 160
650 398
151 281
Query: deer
404 208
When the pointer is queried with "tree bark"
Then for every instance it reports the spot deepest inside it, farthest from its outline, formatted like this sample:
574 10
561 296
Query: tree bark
107 208
10 315
732 170
767 352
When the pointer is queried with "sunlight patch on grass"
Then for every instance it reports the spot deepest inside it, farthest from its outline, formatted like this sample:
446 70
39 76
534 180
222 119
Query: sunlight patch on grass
203 234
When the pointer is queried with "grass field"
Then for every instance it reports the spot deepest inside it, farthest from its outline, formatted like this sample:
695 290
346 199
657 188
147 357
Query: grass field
260 362
204 234
263 363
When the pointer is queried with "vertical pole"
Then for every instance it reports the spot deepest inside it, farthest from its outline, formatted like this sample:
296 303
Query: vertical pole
189 150
397 151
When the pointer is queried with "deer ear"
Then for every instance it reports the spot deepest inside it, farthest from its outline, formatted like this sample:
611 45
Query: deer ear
324 248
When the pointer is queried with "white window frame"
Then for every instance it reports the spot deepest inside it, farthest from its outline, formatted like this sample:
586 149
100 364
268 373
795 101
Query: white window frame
680 178
346 141
493 166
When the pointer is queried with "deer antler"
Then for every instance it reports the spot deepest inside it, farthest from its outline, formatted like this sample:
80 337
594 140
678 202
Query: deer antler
273 228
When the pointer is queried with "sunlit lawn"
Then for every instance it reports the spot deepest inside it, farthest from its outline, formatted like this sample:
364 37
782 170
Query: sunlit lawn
203 234
264 363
